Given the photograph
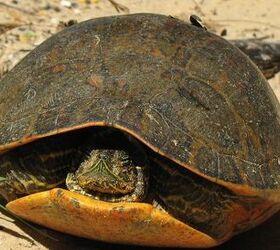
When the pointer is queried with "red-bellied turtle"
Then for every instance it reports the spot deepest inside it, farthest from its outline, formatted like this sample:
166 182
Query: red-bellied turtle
166 134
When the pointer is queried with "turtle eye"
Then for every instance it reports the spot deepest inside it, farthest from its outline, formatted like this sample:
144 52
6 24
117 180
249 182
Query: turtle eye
126 160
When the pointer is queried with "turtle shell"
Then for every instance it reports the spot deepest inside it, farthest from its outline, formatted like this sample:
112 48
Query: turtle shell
187 94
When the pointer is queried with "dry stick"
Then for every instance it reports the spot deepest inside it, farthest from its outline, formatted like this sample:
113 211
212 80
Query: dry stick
244 21
4 27
266 55
17 8
119 7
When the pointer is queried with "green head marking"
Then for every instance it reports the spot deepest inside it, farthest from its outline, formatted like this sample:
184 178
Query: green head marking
109 171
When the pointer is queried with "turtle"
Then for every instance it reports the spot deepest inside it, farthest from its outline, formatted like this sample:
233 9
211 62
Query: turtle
140 129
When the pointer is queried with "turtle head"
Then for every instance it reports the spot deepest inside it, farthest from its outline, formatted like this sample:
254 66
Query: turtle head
108 171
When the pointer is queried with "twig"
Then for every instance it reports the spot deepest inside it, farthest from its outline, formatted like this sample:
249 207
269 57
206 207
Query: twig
4 27
119 7
247 20
16 8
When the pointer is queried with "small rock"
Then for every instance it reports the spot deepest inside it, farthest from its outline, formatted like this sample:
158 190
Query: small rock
66 3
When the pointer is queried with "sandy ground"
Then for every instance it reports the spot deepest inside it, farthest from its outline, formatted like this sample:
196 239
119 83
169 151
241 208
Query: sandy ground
34 21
